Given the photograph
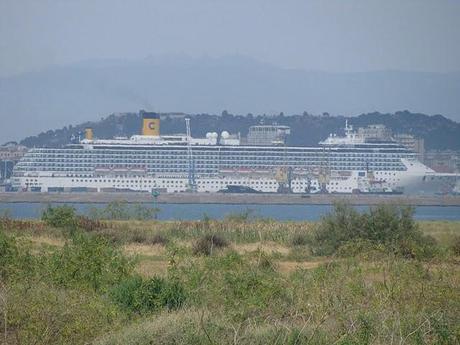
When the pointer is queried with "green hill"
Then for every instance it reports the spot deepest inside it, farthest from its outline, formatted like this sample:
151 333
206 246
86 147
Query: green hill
306 129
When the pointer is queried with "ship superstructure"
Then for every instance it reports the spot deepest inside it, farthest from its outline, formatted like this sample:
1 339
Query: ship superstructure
349 164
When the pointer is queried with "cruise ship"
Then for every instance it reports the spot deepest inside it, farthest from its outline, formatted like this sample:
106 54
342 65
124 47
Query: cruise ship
179 163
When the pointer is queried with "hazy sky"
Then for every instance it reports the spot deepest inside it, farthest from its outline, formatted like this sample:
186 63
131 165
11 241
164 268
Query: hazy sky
328 35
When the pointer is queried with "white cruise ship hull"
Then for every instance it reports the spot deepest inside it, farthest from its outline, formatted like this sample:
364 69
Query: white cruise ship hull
405 182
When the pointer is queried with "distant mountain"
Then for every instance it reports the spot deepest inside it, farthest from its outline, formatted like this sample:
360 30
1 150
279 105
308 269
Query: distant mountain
59 95
438 131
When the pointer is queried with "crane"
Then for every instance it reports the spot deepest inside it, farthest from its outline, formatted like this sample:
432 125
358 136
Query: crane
191 163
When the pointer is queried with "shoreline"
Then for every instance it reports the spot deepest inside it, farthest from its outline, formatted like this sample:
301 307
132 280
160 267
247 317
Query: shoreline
229 199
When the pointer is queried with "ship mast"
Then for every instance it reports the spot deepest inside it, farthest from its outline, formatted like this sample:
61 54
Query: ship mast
191 165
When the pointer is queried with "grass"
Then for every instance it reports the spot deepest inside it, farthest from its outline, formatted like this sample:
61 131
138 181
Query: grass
264 285
442 231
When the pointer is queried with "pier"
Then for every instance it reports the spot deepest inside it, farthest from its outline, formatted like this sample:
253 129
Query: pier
224 198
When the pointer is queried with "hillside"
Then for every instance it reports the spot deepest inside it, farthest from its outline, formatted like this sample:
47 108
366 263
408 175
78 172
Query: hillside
59 95
438 131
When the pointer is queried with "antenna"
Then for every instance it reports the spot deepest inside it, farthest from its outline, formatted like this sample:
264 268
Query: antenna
348 129
191 165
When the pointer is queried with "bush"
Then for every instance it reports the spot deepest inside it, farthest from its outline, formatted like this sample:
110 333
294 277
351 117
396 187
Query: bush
206 244
89 224
88 262
121 210
456 246
417 248
240 217
158 239
143 296
141 212
300 239
8 254
139 236
16 260
40 313
392 227
116 210
60 216
359 247
125 293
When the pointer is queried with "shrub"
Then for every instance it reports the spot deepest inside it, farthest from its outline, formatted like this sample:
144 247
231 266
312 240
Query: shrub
300 239
336 228
206 244
60 216
139 237
143 236
8 254
121 210
16 261
88 262
418 248
125 293
390 226
240 217
143 296
359 247
40 313
141 212
88 224
116 210
239 286
158 239
456 245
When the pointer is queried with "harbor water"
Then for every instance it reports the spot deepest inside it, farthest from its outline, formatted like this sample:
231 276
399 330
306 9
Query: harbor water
27 210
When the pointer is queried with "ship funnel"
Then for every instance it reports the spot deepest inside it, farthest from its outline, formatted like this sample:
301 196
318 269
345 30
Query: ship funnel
150 124
88 133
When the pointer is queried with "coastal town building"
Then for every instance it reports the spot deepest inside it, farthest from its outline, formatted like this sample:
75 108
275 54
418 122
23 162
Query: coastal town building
12 151
10 154
445 161
412 143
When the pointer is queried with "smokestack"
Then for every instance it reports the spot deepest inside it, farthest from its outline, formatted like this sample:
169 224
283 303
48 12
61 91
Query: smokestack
88 133
150 124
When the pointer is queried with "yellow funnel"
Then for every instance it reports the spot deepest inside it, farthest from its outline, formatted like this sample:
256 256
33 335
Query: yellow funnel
151 124
89 133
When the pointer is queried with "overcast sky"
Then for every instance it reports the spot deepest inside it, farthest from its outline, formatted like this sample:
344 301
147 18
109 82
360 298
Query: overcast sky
327 35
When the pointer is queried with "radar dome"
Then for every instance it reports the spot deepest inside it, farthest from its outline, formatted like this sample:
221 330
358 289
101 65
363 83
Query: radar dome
225 134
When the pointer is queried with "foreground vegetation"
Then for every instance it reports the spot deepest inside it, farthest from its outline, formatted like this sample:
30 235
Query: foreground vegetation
352 278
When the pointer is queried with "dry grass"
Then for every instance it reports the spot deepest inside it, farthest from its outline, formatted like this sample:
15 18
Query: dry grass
288 267
266 247
236 232
150 268
144 249
442 231
152 258
46 240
